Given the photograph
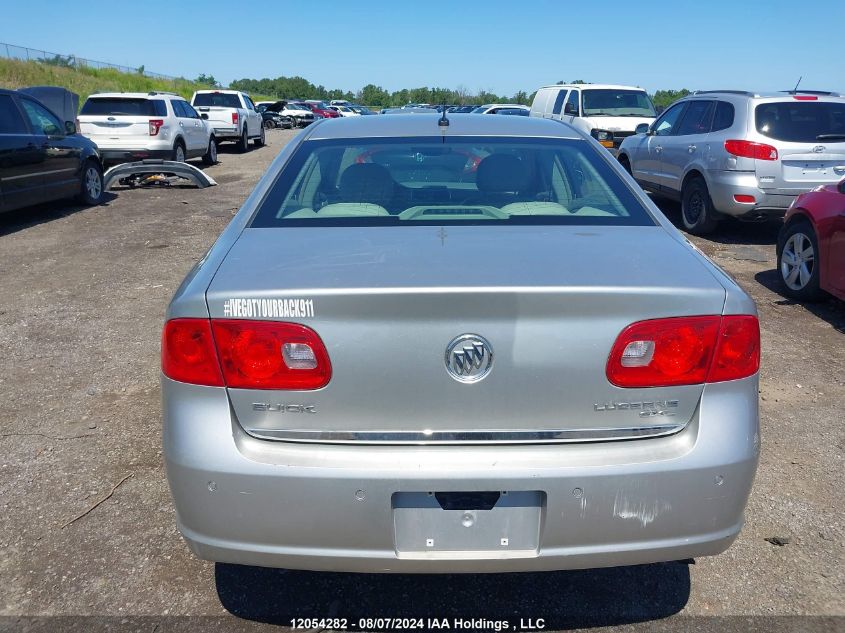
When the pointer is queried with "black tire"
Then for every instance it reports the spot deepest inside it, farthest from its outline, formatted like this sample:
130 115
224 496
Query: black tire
91 188
626 164
210 156
243 143
798 262
259 142
697 213
268 124
295 122
178 147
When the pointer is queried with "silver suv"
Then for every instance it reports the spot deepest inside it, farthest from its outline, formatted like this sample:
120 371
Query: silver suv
736 153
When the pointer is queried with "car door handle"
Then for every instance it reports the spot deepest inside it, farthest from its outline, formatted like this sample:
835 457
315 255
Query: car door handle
691 148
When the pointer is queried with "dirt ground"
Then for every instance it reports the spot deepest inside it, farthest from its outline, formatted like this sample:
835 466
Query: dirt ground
82 298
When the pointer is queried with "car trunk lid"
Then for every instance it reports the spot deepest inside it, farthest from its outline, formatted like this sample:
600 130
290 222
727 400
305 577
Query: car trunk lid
809 135
387 301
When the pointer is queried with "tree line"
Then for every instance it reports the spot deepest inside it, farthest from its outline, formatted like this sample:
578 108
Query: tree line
376 96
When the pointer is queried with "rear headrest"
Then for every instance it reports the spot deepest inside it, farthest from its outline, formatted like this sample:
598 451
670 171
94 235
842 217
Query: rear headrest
500 173
366 182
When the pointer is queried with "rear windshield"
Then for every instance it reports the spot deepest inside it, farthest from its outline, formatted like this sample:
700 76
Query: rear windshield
801 121
464 180
127 106
612 102
218 99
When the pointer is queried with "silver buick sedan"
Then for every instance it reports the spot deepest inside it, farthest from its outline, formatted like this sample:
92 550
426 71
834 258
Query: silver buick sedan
463 345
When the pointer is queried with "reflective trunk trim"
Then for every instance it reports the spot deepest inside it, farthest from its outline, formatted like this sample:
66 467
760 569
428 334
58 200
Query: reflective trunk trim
465 437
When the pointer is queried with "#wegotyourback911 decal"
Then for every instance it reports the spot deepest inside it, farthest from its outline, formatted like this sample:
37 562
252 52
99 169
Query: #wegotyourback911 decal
268 308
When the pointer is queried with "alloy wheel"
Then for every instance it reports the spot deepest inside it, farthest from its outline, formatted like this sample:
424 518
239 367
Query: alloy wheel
797 261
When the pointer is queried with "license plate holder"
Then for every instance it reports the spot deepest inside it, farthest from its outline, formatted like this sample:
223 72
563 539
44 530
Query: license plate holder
424 529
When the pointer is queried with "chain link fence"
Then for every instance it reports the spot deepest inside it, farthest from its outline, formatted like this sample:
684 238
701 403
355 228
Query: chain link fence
11 51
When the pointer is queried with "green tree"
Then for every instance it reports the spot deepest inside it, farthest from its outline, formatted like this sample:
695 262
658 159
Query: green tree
209 80
375 96
663 98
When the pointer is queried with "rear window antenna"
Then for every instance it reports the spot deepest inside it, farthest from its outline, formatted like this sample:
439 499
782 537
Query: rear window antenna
795 89
443 122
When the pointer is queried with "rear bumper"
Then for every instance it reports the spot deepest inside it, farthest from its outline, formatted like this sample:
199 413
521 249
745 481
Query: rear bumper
123 155
724 185
226 133
321 507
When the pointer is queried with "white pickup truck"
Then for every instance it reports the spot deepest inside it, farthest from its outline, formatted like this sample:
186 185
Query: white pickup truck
233 116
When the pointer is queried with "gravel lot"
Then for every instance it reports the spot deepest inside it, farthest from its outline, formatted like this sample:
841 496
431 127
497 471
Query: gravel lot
84 292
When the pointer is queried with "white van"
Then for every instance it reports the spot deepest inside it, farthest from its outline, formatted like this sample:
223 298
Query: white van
608 113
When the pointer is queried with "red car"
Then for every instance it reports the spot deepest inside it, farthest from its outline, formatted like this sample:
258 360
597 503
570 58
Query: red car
318 107
811 245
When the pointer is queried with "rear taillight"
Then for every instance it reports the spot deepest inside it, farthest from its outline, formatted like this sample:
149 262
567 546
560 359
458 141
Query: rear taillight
805 97
271 355
188 354
685 351
749 149
244 354
234 118
744 198
155 126
737 349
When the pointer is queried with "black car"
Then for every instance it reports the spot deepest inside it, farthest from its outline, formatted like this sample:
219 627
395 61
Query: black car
42 158
273 119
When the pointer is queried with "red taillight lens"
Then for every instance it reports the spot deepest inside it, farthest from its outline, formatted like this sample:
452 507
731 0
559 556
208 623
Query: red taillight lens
805 98
748 149
155 126
680 351
188 354
737 349
744 197
271 355
234 118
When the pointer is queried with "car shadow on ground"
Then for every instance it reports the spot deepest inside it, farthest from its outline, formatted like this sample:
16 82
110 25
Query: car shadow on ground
831 309
21 219
729 230
564 600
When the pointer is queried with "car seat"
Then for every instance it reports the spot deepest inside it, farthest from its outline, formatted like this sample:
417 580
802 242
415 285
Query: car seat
501 179
367 182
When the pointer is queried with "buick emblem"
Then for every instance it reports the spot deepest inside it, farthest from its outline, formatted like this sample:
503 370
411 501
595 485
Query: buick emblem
469 358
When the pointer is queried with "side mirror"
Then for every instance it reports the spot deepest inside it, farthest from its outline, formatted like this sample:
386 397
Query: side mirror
70 128
204 116
570 110
642 128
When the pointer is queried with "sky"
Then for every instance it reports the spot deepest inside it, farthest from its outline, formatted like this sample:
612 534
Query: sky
499 46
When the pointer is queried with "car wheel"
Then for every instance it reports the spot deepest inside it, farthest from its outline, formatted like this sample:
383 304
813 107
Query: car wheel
262 138
92 183
210 157
798 262
243 144
295 122
697 214
179 152
268 124
626 164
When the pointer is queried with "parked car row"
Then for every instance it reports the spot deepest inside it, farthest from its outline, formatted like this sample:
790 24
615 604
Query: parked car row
49 152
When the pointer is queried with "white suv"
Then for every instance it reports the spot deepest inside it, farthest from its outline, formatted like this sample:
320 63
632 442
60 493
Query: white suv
137 125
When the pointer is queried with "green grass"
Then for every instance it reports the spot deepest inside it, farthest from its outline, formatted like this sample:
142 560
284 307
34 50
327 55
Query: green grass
85 81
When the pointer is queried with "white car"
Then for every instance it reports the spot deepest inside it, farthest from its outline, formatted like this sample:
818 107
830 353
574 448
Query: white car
344 110
608 113
233 116
129 126
493 108
299 114
339 102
